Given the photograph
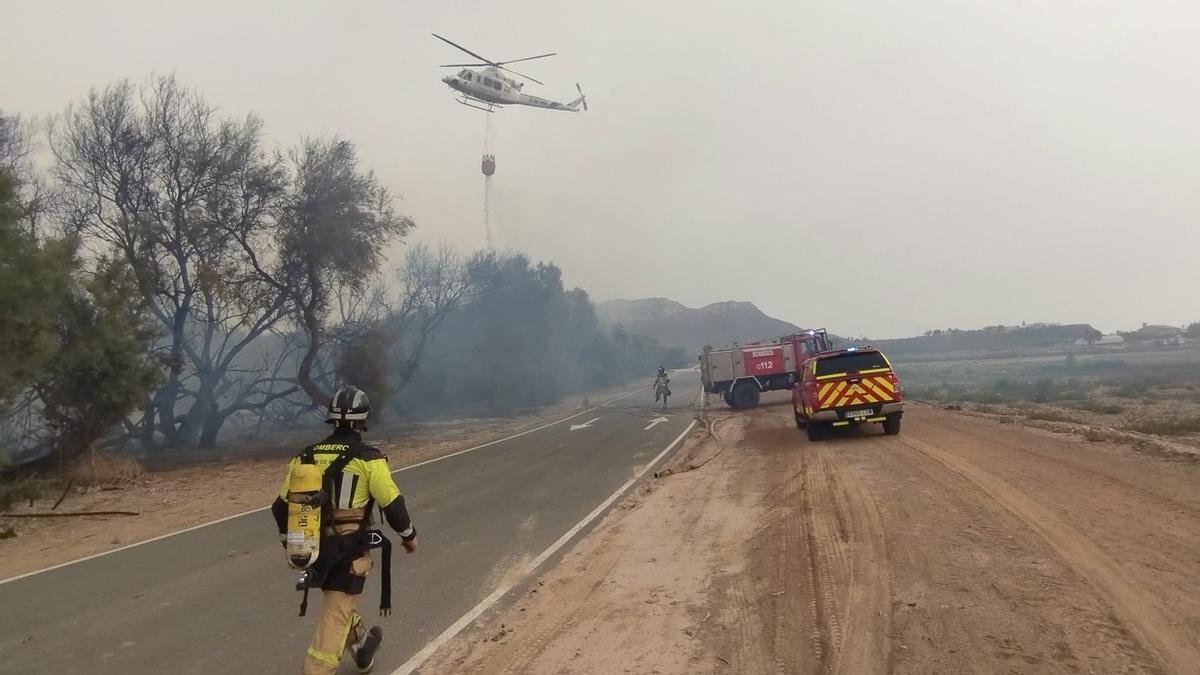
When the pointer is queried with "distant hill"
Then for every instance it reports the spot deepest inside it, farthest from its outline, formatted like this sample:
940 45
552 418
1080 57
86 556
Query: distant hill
631 311
990 339
673 324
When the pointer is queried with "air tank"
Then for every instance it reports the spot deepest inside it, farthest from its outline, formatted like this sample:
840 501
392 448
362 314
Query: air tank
489 165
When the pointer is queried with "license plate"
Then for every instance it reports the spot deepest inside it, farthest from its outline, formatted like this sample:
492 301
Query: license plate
866 412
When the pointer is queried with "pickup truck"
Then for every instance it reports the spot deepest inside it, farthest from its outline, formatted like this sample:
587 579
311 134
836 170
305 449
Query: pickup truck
847 387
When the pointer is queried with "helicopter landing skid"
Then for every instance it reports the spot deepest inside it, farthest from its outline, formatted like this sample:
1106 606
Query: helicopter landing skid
471 103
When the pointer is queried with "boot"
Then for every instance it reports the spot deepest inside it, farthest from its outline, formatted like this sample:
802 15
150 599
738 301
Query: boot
364 656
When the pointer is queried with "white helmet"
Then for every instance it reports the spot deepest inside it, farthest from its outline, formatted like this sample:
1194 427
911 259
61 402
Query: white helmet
348 404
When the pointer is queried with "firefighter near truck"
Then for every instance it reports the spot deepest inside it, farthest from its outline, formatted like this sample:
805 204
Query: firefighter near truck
742 372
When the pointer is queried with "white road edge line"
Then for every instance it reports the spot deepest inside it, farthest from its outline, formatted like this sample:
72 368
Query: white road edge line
495 596
266 508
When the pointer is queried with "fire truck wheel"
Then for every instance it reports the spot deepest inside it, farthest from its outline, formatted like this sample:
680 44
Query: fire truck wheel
745 395
891 424
728 399
799 420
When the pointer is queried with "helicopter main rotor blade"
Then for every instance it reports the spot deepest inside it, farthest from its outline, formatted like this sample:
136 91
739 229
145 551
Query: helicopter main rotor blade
528 58
520 75
464 65
460 47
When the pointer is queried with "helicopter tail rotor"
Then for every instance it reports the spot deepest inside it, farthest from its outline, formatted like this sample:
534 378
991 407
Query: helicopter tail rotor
581 100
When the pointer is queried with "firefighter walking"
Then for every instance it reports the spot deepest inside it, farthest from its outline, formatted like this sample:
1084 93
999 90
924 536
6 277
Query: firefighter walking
662 386
356 478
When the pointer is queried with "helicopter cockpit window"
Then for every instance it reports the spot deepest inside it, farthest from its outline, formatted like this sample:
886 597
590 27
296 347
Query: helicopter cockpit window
495 84
466 75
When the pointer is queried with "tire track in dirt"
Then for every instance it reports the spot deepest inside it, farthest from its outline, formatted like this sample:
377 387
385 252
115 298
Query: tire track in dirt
779 591
791 576
831 592
1107 474
1131 606
866 616
932 551
1157 511
974 589
825 629
740 626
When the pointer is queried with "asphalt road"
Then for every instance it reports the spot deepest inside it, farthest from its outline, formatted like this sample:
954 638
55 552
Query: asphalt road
221 599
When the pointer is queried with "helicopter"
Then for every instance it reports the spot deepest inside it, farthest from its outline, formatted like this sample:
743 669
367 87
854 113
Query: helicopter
490 88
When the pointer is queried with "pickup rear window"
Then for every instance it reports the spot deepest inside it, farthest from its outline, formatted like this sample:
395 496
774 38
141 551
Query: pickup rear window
850 363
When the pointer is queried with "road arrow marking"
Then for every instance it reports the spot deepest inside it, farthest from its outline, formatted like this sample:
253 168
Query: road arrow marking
576 427
656 421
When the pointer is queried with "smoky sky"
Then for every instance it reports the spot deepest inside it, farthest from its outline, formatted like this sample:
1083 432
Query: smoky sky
878 168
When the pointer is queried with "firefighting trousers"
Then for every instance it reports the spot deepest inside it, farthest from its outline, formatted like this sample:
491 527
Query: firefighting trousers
339 629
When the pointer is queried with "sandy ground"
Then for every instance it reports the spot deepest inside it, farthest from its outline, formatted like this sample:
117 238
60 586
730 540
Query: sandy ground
174 499
1092 426
963 545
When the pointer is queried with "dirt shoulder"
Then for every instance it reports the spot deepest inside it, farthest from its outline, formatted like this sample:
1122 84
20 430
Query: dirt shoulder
1093 426
962 545
170 500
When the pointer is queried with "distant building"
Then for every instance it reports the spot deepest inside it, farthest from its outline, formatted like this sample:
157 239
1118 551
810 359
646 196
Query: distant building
1113 339
1102 340
1155 333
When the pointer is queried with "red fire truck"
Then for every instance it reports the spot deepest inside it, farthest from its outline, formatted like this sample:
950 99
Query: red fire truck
742 372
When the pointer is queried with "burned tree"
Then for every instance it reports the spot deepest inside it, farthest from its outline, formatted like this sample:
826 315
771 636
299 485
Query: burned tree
383 354
155 177
333 228
432 283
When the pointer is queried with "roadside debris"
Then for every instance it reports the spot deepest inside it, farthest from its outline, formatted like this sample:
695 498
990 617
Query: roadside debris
67 514
710 428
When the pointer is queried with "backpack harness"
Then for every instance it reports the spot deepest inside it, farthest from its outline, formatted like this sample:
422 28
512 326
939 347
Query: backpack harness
339 548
